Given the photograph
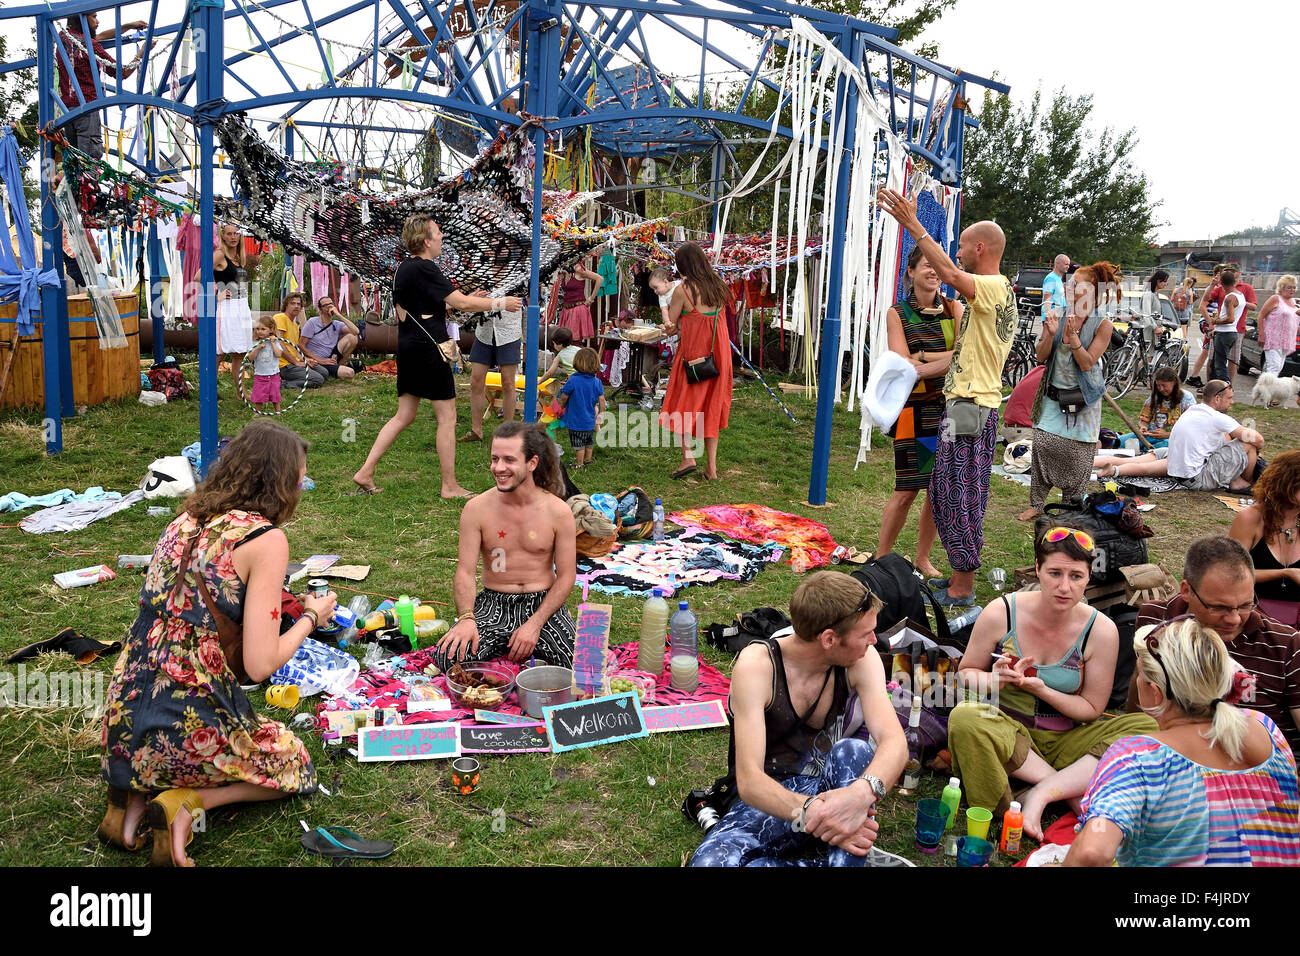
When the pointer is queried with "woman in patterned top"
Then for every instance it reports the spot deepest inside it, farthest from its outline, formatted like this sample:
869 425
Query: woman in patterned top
922 329
1214 786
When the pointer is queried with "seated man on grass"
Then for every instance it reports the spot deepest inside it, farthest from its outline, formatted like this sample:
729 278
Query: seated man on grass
328 340
794 777
527 538
1207 448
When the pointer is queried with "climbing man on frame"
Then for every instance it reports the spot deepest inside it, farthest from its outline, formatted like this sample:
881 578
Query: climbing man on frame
963 462
527 538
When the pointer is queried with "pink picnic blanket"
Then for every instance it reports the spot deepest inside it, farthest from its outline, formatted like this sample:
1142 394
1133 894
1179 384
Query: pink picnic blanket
385 688
810 543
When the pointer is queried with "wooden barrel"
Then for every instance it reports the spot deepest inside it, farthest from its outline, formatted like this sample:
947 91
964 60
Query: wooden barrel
98 374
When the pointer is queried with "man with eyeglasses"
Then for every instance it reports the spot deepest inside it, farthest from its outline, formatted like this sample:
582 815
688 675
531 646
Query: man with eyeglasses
1219 590
328 340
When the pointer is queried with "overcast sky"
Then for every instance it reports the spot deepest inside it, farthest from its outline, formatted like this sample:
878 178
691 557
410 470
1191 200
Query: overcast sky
1148 65
1152 66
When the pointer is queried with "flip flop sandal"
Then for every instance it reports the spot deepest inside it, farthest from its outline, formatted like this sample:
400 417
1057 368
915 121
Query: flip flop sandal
469 437
681 473
340 843
372 490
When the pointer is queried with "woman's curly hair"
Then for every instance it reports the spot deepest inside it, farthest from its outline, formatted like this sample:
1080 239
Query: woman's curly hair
1276 490
258 471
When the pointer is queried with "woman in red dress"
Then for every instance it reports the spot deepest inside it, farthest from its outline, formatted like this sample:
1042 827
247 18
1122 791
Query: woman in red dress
696 314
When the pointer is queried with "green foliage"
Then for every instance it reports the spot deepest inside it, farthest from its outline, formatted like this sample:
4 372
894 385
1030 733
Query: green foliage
1056 185
18 105
1292 261
1252 232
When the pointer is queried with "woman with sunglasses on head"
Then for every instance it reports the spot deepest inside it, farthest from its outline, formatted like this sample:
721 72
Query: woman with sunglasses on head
1270 530
1215 785
1041 667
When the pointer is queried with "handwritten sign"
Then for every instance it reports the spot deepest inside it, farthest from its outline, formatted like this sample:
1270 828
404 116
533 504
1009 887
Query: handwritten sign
591 648
409 742
699 716
601 720
492 717
511 738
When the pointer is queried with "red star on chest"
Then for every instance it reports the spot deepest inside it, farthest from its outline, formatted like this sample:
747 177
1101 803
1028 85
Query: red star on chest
501 534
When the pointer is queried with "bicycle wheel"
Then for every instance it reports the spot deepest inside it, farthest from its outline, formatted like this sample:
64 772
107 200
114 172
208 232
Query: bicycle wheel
1123 372
1171 356
1016 368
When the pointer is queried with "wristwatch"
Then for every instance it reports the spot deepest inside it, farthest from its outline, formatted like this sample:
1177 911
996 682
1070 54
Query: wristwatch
877 785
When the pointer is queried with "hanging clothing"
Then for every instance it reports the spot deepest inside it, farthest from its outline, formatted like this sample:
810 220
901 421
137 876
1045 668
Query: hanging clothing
187 242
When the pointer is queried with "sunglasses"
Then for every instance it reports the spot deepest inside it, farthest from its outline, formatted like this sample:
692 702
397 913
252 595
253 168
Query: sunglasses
1152 642
1244 610
1084 539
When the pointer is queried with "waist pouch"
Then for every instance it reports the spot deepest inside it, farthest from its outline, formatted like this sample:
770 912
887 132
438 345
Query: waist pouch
965 418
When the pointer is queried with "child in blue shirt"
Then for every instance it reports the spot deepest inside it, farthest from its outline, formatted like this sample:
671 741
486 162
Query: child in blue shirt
583 400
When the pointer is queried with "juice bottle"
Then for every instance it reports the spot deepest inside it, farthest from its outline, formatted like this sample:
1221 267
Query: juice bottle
1013 827
654 627
951 798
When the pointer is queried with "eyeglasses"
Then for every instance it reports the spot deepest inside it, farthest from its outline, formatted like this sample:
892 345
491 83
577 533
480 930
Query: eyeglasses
1084 539
1153 647
1224 609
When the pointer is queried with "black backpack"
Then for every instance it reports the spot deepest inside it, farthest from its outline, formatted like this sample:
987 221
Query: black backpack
1115 548
902 592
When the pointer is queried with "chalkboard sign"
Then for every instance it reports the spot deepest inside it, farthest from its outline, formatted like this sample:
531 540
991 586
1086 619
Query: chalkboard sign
408 742
602 720
697 716
504 738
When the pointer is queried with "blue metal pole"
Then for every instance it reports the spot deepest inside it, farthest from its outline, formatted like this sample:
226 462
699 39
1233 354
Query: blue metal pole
541 54
54 303
210 26
829 373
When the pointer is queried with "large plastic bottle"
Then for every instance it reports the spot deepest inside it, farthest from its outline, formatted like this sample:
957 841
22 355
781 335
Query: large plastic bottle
360 607
1013 828
951 798
659 519
683 660
387 617
654 629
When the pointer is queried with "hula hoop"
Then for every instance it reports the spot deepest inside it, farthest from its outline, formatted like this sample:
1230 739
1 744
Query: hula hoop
247 363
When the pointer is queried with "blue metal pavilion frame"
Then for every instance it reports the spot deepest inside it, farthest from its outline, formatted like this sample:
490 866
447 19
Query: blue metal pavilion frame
565 49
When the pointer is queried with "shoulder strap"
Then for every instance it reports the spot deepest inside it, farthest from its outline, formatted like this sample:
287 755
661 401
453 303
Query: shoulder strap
940 616
1011 614
1087 632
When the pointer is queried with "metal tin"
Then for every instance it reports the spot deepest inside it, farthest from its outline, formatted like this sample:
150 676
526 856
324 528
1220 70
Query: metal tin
318 586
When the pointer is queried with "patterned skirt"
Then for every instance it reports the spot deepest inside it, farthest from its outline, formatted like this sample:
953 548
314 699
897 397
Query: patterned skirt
916 436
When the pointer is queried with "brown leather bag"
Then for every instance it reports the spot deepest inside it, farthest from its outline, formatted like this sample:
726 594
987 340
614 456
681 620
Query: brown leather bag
230 633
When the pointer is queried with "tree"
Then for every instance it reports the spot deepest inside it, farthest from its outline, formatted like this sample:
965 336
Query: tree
1292 261
1054 185
18 106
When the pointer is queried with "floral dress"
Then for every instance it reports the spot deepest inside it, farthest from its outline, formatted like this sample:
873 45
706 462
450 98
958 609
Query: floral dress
176 716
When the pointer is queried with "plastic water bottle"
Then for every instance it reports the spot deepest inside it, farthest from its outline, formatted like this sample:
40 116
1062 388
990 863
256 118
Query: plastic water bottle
964 619
684 661
659 519
951 798
360 607
654 628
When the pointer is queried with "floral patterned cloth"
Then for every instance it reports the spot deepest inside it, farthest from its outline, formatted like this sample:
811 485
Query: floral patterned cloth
176 716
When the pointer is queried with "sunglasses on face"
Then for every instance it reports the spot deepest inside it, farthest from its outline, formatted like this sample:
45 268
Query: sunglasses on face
1225 609
1083 539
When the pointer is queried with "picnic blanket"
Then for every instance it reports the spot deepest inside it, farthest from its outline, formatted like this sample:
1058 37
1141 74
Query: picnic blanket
1235 502
810 543
684 558
384 686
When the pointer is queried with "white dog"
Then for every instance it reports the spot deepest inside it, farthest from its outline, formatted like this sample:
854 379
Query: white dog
1274 390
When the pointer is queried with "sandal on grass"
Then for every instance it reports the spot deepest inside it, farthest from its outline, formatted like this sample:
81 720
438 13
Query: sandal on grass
161 813
340 843
112 828
682 472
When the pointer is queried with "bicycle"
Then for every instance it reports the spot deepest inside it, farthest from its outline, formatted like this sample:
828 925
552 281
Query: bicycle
1023 355
1131 359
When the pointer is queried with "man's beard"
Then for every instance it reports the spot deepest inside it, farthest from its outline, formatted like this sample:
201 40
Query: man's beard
516 479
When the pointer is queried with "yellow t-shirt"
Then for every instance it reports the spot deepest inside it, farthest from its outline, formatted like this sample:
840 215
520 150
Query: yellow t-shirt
987 330
288 329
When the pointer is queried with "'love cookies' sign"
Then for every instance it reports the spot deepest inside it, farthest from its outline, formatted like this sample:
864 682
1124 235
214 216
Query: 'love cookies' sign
602 720
408 742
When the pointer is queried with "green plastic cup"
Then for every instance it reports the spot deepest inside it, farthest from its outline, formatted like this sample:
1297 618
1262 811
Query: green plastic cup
977 822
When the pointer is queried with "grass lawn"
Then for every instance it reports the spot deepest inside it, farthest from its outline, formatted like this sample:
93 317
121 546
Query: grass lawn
616 804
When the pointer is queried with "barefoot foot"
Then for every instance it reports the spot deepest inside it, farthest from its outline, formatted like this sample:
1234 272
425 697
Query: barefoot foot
1032 806
181 827
1029 514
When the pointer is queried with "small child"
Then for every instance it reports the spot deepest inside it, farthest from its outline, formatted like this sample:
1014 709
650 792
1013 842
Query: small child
588 404
266 356
662 284
565 353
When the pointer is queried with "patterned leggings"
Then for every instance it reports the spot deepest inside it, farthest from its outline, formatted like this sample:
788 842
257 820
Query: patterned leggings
959 492
1058 462
499 614
750 837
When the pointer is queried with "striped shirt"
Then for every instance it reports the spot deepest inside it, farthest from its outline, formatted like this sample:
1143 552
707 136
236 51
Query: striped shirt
1175 812
1268 649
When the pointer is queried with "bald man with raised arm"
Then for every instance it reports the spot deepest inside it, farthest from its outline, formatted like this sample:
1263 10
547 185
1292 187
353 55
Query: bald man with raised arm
963 461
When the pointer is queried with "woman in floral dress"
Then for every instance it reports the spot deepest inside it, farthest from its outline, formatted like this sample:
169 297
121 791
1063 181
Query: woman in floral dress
180 737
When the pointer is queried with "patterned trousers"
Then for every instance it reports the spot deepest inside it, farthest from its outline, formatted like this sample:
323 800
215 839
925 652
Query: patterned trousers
499 614
1059 462
750 837
959 492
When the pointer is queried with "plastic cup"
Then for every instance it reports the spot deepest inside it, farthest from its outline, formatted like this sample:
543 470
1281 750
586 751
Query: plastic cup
282 695
977 822
973 851
931 817
465 775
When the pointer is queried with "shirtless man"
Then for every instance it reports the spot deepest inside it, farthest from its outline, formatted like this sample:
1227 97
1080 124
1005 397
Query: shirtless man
526 536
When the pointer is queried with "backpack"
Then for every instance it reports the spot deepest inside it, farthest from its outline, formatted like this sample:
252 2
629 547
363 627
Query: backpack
902 592
1115 549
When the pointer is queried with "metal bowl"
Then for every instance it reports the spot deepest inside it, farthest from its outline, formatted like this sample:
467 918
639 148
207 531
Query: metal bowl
544 686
